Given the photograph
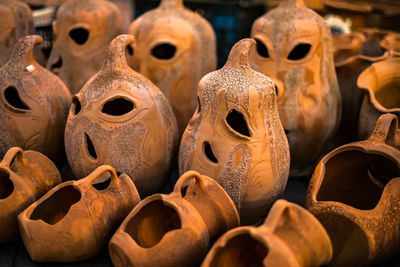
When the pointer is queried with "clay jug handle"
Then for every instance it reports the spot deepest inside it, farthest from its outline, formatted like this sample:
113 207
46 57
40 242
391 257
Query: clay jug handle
386 130
11 154
101 170
186 176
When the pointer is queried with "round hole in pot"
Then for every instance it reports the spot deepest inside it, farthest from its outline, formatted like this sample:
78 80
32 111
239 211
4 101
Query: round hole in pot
6 185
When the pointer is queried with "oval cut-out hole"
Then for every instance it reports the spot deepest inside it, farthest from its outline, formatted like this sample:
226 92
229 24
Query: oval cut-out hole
102 185
276 89
76 105
299 51
163 51
262 50
12 97
198 105
57 65
129 50
209 153
117 107
151 223
237 122
90 147
56 207
79 35
6 185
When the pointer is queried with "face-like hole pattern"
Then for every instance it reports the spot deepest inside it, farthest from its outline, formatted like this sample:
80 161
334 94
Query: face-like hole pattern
79 35
117 106
237 122
164 51
90 147
13 99
6 185
209 152
300 51
76 106
262 50
57 65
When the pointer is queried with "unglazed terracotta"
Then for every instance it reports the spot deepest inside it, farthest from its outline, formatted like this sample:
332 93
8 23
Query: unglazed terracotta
174 48
236 137
75 220
122 119
24 177
33 103
391 43
174 229
294 49
83 30
355 193
290 236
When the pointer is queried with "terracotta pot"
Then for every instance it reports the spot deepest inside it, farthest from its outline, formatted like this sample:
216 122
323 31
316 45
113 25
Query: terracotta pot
174 48
355 193
24 177
372 44
174 229
290 236
83 30
74 220
122 119
391 43
298 56
33 104
236 137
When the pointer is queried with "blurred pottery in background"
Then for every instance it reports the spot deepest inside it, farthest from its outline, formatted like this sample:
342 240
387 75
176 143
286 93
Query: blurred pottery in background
391 43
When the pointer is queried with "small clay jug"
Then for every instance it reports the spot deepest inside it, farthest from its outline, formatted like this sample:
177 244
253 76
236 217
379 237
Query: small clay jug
391 43
74 220
290 236
355 194
174 229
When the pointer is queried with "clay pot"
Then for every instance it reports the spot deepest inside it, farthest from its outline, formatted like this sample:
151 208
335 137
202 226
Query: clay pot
33 104
236 137
290 236
355 193
24 177
174 48
83 30
391 43
122 119
298 56
174 229
74 220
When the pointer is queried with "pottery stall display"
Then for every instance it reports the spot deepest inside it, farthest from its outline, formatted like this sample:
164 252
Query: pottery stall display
24 177
75 220
174 48
290 236
235 136
122 119
83 30
294 49
355 194
174 229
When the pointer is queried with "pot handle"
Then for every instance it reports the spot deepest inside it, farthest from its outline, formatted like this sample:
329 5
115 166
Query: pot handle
186 176
386 130
11 154
101 170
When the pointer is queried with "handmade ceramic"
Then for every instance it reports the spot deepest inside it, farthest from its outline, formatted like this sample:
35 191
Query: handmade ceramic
174 48
355 194
24 177
236 137
75 220
290 236
122 119
391 43
33 103
174 229
83 30
294 49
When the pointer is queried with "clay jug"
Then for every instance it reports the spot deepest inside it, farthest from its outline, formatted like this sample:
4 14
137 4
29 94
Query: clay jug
290 236
174 229
75 220
391 43
355 194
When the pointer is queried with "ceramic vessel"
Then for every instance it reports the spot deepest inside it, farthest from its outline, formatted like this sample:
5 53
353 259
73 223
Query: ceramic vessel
174 229
290 236
236 137
75 220
391 43
355 194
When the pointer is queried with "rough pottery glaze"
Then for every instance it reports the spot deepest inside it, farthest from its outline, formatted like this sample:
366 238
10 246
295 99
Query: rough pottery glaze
83 30
355 194
236 137
74 220
122 119
24 177
290 236
174 48
294 49
33 104
174 229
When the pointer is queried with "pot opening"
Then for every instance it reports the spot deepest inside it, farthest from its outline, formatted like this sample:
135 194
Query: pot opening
6 185
387 91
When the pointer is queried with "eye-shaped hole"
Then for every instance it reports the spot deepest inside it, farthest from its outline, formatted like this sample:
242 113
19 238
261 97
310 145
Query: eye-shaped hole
164 51
79 35
12 97
102 182
262 50
129 50
57 65
117 107
237 122
6 185
90 147
76 105
300 51
208 152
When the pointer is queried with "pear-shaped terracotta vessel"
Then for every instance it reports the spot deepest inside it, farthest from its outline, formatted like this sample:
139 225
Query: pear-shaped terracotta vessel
236 137
355 194
24 177
290 236
33 104
174 229
122 119
174 48
75 220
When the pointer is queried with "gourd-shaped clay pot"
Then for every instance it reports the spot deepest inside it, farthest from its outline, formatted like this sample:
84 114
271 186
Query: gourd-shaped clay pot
174 48
294 49
236 137
122 119
290 236
83 30
355 194
74 220
174 229
33 104
24 177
